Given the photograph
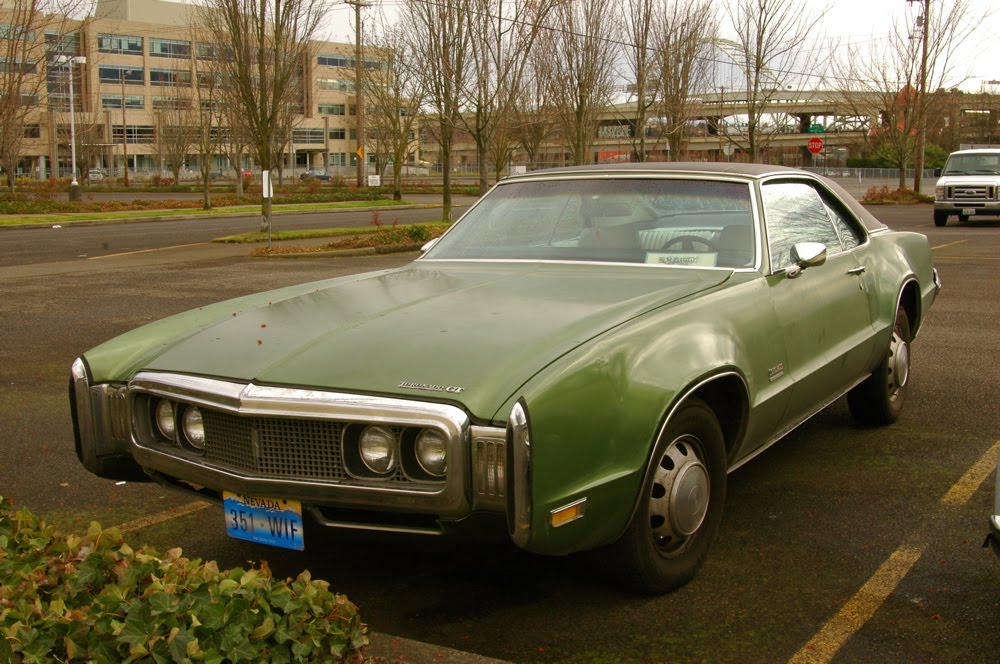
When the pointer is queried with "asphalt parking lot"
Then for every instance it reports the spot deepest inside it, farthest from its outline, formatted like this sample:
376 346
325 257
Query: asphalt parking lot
840 544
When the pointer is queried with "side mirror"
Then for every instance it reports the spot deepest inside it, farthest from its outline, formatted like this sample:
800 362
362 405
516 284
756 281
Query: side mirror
805 255
937 172
430 244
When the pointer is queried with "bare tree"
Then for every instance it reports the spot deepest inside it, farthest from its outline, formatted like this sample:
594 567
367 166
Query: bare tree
441 35
394 97
684 30
27 29
885 81
176 131
503 35
770 35
267 44
576 61
532 121
209 130
638 19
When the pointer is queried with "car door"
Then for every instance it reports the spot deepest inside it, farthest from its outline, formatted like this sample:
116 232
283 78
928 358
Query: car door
823 312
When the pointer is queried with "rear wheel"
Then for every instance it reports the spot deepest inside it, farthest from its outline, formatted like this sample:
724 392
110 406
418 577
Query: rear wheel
879 399
681 503
940 219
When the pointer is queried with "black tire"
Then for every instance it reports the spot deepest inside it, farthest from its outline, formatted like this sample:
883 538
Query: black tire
962 218
878 401
940 219
663 547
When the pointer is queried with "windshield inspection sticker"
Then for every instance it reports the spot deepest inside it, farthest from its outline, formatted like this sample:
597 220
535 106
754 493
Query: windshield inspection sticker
686 259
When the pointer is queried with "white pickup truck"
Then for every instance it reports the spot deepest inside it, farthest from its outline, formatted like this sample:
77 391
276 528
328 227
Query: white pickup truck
969 186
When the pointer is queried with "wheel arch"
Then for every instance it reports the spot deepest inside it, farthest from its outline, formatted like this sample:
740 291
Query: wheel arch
909 301
726 394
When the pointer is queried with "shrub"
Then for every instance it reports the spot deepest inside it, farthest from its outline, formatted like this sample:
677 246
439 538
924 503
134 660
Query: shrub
65 598
886 195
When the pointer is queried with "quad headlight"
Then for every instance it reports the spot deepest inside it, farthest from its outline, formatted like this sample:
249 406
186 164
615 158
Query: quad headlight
166 423
432 452
193 428
377 447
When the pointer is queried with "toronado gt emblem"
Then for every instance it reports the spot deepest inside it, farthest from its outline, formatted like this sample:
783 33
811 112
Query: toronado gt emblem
450 389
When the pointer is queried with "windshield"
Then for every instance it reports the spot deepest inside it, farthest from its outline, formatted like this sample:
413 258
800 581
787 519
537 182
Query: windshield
973 164
691 223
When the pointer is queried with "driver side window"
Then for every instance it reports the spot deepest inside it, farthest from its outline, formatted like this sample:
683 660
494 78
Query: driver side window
794 212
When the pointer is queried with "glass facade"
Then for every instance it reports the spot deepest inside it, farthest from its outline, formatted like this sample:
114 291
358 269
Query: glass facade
169 48
125 44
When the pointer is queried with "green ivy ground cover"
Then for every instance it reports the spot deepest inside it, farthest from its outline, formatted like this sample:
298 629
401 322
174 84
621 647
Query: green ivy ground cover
94 598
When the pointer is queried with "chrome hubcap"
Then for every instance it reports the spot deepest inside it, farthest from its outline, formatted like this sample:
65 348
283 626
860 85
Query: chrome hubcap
679 496
899 365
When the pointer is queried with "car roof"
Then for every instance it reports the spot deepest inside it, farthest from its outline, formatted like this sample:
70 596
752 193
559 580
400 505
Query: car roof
750 171
977 151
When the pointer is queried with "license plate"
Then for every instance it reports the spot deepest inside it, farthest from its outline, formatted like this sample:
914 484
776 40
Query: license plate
271 521
968 212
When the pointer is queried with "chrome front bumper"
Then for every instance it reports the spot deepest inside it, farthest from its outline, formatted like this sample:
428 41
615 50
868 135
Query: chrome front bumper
112 424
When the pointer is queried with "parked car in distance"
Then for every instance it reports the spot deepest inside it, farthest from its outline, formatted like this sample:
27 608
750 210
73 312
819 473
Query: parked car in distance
577 363
315 175
969 186
95 174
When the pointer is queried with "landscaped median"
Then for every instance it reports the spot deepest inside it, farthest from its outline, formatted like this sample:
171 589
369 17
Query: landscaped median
375 239
94 598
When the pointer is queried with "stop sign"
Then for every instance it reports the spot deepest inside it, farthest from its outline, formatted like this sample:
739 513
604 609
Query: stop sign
815 145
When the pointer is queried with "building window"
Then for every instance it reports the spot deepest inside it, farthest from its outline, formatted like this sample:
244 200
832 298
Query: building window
57 43
170 48
180 78
136 102
121 74
126 44
32 131
134 134
16 32
338 134
354 134
332 109
337 84
170 103
335 61
23 66
338 159
308 136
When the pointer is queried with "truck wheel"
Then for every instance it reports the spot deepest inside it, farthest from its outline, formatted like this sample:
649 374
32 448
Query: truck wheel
940 219
680 506
878 401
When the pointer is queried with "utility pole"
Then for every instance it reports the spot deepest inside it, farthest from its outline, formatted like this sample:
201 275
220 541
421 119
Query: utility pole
921 105
359 73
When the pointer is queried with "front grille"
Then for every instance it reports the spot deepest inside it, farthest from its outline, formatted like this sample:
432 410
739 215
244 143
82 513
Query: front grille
280 448
972 193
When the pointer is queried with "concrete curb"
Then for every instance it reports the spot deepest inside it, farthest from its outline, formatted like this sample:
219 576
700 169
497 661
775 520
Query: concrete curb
398 649
347 253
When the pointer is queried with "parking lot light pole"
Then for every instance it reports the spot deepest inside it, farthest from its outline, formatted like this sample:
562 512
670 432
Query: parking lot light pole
74 186
124 73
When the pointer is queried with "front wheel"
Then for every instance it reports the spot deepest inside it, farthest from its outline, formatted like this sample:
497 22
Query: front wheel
878 401
940 219
680 507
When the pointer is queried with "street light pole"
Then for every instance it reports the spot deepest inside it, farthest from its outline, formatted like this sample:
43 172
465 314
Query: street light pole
74 186
124 73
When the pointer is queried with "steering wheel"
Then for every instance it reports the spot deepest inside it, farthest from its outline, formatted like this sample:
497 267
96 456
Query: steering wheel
687 243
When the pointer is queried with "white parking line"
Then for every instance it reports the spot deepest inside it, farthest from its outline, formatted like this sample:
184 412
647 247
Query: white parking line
950 244
160 517
822 647
147 251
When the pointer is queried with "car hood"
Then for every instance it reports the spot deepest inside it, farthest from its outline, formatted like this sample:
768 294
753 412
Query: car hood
972 178
467 333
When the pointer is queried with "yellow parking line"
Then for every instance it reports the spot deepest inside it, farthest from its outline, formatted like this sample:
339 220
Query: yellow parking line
973 478
950 244
822 647
160 517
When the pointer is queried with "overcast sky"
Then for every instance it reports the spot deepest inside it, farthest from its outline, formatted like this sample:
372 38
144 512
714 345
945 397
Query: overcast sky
858 22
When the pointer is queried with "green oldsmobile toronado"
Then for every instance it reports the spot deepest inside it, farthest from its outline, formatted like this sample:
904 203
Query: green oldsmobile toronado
584 356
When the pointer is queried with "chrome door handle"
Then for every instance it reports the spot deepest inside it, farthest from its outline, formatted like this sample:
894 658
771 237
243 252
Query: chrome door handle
856 270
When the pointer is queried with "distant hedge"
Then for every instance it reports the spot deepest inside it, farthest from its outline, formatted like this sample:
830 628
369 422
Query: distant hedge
66 598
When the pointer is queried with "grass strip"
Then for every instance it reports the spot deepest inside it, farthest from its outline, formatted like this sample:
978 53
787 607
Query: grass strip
73 217
282 236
